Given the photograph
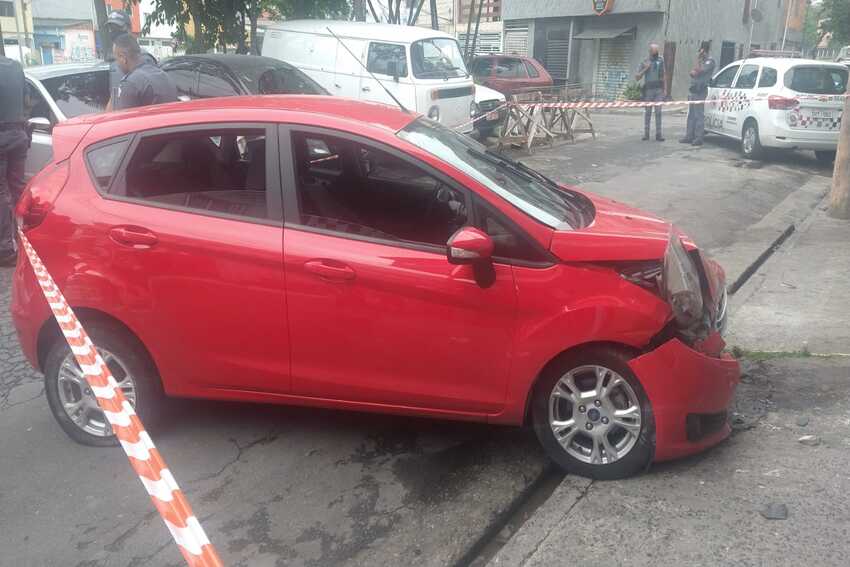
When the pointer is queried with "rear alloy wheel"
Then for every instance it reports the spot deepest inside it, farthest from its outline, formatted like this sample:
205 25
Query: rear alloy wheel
826 157
71 399
750 142
593 417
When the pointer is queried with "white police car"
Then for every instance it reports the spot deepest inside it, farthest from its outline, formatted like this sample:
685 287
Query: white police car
778 102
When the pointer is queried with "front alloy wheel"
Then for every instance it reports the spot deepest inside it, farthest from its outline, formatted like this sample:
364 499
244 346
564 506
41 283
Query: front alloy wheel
592 415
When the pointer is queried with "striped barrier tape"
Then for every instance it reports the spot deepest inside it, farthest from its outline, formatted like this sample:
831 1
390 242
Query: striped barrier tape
143 455
596 105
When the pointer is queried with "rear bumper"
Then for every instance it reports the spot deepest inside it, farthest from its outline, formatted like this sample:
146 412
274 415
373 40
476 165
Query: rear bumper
690 394
29 308
778 135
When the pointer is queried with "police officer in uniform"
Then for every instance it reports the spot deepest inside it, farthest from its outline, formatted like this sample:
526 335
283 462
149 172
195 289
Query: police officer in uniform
700 76
14 143
654 89
119 23
143 83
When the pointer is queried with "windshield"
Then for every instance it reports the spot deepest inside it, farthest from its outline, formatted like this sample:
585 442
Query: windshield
818 80
437 58
525 189
277 79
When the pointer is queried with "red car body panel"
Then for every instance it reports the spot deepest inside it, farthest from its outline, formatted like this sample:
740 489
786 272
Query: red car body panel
256 311
510 85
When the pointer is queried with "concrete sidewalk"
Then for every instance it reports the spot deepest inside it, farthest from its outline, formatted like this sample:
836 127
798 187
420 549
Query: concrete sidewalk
800 299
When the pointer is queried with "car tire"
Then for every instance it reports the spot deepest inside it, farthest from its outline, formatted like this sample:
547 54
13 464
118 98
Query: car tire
581 449
126 358
750 142
826 156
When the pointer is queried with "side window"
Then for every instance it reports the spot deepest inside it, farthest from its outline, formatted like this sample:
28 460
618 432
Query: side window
768 77
35 106
511 69
104 161
725 78
354 188
508 242
532 70
747 78
382 56
218 171
81 93
213 82
185 76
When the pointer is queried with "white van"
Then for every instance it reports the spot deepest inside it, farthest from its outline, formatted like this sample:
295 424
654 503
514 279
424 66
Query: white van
423 68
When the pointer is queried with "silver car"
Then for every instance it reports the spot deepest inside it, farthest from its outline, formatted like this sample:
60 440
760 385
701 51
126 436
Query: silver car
56 93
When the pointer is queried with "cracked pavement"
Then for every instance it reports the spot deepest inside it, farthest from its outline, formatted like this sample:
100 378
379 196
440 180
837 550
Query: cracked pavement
278 485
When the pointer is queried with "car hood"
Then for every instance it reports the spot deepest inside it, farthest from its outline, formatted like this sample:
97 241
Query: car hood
618 232
483 93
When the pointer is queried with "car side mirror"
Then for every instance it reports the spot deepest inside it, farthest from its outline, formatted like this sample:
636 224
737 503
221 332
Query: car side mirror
469 246
39 123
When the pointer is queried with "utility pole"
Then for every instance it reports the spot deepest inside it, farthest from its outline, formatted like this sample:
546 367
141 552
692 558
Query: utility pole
839 198
2 45
787 17
105 40
18 26
435 24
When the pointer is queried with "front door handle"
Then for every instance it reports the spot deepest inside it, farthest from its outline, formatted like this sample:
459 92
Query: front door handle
366 89
133 236
330 270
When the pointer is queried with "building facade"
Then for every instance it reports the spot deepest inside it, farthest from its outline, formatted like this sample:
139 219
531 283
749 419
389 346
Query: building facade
17 30
600 44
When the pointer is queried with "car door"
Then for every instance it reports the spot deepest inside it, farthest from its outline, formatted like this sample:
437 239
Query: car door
193 226
510 75
741 99
718 104
377 314
41 148
388 63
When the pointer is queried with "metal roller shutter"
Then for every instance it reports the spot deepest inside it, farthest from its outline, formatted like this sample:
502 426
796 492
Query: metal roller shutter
558 53
612 71
487 43
516 39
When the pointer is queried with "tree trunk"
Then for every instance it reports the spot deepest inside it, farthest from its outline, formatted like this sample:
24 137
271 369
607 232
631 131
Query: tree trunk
300 9
839 199
105 40
255 49
359 11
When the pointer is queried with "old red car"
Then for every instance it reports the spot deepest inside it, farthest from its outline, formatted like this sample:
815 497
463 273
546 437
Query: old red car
324 252
509 74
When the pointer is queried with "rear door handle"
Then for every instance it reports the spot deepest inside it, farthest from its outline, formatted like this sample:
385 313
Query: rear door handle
366 89
133 236
330 270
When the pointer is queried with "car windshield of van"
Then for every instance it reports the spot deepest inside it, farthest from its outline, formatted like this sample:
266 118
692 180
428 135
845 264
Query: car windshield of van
438 57
527 190
818 80
277 78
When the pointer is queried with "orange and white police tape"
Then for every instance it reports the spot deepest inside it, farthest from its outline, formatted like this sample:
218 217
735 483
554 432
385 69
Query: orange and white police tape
144 458
597 105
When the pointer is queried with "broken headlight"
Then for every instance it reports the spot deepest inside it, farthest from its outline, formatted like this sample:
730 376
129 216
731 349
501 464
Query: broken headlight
681 284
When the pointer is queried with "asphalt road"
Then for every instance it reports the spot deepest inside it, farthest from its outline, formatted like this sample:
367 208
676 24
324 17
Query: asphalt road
285 486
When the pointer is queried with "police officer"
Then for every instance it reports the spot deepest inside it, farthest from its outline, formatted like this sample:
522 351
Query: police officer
119 23
700 76
654 89
143 83
14 143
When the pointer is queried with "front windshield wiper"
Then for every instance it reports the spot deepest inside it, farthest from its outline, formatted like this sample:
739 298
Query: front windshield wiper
519 166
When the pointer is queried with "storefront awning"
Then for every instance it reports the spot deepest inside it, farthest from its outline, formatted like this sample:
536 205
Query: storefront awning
602 32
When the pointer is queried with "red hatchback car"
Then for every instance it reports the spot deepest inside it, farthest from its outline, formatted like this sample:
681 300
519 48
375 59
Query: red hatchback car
509 74
324 252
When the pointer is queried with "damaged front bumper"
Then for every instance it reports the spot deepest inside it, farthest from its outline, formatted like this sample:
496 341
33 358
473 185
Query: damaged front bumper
690 394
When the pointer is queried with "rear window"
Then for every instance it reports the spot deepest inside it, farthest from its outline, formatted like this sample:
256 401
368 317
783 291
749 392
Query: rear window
817 80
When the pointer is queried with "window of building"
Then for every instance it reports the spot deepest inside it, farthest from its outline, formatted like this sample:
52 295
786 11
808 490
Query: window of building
510 68
104 161
213 171
725 78
383 56
7 9
747 78
353 188
768 77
